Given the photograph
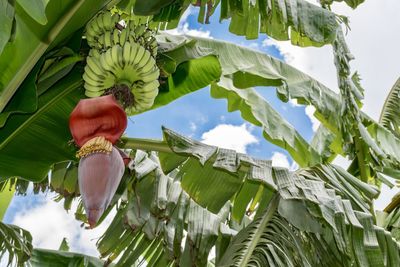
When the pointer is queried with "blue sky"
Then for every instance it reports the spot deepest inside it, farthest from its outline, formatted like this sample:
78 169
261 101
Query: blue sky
206 113
203 118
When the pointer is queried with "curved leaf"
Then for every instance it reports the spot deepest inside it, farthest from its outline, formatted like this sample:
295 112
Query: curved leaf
249 68
24 100
253 68
36 9
19 56
276 129
188 77
329 197
6 195
157 213
188 67
31 144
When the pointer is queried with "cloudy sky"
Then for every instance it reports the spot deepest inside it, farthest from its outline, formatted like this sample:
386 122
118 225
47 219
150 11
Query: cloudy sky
373 41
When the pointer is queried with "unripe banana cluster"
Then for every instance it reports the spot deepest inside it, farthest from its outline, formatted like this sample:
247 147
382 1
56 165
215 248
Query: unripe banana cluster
121 57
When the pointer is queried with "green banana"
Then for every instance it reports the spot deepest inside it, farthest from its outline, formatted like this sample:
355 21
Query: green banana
139 55
121 59
102 23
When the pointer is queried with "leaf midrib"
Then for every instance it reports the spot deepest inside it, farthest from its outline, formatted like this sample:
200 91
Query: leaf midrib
260 229
40 111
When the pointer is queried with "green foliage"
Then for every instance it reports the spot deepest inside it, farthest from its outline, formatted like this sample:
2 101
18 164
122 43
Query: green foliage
29 137
7 15
15 241
253 213
351 3
389 115
319 202
45 26
54 258
280 19
6 194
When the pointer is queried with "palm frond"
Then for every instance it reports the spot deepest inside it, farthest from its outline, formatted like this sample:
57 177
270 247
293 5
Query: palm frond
16 242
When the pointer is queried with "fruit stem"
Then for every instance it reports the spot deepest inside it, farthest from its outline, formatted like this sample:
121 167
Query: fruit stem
123 94
145 144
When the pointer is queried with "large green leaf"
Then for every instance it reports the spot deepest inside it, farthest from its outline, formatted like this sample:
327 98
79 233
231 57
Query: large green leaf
252 68
157 215
196 67
19 56
258 111
36 9
25 99
274 242
6 195
249 68
317 203
31 144
320 202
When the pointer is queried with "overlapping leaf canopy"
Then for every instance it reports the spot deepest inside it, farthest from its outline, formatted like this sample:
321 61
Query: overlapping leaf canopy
296 211
250 212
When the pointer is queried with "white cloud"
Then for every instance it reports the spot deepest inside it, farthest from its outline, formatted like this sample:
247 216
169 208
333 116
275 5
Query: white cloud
49 223
184 29
230 136
310 114
281 160
183 26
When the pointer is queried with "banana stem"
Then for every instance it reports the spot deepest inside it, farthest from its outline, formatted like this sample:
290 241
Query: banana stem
145 144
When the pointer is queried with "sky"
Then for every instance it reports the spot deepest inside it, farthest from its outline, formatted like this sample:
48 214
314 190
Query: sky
373 42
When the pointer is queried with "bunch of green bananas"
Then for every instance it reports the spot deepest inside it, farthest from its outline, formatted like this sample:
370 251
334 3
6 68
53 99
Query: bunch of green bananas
121 57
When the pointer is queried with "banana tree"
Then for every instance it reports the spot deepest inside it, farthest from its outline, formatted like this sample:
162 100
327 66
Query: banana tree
180 202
